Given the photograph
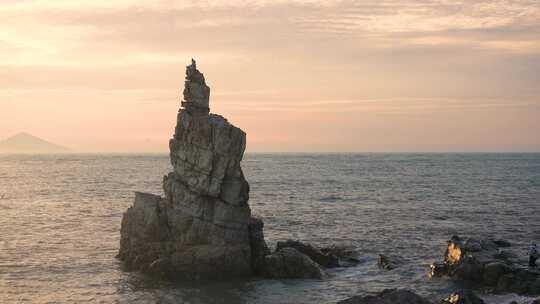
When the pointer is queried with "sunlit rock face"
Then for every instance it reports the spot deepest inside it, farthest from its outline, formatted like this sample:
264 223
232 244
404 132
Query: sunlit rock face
199 230
491 263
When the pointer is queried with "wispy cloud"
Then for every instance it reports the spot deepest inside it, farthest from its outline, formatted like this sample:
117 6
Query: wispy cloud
287 58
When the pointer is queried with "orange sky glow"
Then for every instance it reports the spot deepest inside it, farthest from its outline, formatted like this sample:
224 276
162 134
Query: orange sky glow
297 76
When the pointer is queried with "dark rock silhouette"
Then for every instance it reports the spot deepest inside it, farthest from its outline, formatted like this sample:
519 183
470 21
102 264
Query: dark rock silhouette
327 260
405 296
489 263
388 296
203 228
200 229
463 297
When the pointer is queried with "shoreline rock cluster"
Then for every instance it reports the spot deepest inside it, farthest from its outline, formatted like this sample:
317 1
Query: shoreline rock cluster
203 227
200 228
488 263
405 296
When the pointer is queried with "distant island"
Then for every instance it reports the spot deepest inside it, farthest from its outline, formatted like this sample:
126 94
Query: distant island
28 144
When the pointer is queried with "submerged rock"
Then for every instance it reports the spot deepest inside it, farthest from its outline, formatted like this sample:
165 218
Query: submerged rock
388 296
484 262
389 262
202 228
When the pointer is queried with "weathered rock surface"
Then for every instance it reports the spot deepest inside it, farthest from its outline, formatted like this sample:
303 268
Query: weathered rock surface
388 296
327 260
295 259
485 262
347 255
202 228
259 248
389 262
289 263
405 296
463 297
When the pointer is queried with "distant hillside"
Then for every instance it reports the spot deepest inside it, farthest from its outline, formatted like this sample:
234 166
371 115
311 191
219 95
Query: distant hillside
26 143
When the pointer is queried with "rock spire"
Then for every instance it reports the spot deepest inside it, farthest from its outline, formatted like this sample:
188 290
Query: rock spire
196 92
201 227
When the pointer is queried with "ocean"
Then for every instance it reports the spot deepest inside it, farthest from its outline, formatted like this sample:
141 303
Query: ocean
61 214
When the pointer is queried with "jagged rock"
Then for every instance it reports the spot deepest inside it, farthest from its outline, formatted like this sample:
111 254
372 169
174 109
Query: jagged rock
493 271
347 255
289 263
438 269
389 262
388 296
327 260
259 249
463 297
196 92
485 263
202 228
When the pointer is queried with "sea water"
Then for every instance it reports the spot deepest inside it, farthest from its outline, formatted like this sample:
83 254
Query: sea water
60 221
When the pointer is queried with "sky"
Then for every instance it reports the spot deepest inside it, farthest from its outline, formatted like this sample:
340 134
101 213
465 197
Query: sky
296 76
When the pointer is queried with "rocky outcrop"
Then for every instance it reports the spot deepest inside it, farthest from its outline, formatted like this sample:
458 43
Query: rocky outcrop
327 260
202 227
405 296
259 248
295 259
389 262
347 256
463 297
289 263
388 296
489 263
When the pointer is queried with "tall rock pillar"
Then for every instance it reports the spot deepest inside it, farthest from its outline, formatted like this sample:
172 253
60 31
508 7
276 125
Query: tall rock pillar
200 229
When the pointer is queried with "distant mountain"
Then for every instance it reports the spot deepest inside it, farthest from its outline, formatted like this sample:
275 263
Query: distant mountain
26 143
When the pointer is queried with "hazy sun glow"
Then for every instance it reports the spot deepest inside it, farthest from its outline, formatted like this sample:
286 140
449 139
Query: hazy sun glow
295 75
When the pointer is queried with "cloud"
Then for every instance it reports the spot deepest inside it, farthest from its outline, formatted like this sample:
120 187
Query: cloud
282 57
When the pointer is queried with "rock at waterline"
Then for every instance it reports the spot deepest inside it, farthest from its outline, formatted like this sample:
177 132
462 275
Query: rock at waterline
201 228
348 256
327 260
463 297
405 296
259 248
489 263
389 262
289 263
388 296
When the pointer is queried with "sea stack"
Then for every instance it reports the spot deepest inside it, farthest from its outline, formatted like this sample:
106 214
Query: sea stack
201 228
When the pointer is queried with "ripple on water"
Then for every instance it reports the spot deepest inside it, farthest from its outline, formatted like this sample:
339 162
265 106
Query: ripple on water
61 218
